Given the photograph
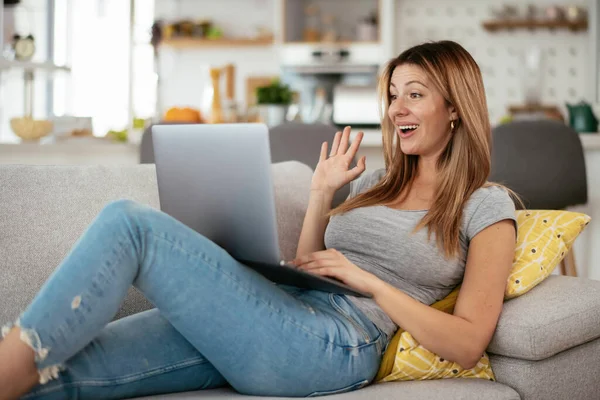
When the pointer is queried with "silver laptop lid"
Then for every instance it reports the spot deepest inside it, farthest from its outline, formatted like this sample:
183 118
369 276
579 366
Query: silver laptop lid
217 180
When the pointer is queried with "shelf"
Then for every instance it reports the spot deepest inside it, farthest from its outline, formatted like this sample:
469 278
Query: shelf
181 43
493 26
337 43
32 66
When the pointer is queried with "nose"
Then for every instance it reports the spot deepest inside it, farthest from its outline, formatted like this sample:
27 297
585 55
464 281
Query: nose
397 109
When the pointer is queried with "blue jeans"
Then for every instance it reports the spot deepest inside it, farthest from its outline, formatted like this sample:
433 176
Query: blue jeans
217 322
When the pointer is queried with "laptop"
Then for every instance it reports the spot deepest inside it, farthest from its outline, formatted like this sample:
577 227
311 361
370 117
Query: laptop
217 179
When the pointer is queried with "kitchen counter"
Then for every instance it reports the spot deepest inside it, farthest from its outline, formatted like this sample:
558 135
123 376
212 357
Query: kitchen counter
590 141
71 152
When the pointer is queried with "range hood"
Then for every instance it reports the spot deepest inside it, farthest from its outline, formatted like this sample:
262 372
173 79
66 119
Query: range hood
330 59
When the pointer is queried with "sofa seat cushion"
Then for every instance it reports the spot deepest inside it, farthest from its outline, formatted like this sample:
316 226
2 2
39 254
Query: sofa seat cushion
546 321
464 389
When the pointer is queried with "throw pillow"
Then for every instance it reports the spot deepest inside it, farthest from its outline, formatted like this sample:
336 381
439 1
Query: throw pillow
406 360
543 239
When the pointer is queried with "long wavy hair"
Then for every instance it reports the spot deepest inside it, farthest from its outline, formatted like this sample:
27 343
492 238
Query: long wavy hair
463 166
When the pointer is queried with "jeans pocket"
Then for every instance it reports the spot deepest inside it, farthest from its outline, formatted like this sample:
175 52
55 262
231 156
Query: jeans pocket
354 386
358 325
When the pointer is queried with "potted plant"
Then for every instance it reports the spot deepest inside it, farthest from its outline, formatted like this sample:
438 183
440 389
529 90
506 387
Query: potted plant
273 101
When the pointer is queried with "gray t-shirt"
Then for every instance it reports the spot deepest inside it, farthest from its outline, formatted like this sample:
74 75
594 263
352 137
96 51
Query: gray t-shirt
379 240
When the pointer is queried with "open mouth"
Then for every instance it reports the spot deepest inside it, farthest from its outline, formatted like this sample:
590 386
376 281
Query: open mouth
407 128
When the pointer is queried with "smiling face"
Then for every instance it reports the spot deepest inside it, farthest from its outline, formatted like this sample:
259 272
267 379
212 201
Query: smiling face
420 114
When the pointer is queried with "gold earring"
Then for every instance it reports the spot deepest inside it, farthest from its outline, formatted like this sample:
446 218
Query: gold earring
451 125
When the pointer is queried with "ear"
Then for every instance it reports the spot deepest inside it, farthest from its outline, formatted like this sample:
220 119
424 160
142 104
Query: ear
452 114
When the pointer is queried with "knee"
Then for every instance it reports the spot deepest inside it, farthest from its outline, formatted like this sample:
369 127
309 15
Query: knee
122 208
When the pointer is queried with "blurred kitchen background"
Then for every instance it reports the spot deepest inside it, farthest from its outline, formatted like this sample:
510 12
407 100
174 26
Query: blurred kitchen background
82 80
113 66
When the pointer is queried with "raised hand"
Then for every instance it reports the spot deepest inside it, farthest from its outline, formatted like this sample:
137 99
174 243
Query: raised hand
333 171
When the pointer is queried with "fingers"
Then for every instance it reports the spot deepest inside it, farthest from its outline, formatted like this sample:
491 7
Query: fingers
323 155
318 264
355 144
360 167
318 255
340 143
335 144
344 142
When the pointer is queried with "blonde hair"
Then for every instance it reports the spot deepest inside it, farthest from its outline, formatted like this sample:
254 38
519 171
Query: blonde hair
463 166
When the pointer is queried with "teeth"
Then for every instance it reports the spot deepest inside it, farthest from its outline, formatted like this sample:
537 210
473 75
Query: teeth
408 126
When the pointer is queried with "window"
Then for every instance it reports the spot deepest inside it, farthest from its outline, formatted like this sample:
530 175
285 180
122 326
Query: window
93 38
100 79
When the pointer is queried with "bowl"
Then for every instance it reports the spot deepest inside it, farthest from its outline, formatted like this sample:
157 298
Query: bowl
29 129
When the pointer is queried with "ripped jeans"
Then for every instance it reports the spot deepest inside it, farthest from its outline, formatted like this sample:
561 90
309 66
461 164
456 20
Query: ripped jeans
217 322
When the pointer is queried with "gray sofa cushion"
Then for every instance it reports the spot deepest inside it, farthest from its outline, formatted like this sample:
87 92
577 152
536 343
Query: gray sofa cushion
546 320
455 389
572 374
45 209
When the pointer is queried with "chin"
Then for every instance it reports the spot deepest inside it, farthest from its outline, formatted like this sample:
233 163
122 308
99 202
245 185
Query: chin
409 150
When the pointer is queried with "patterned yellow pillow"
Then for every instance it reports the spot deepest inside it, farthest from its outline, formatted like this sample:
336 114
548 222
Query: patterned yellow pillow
406 360
543 239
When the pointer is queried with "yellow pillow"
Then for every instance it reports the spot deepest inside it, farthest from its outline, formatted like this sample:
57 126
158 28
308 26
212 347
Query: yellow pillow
543 239
406 360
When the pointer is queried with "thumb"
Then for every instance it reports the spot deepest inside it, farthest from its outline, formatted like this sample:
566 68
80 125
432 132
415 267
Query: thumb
362 163
360 166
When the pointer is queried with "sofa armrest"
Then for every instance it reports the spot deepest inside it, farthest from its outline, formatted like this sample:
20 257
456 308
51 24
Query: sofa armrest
560 313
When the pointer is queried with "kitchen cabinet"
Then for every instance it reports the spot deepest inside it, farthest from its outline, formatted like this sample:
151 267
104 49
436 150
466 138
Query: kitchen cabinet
347 48
337 21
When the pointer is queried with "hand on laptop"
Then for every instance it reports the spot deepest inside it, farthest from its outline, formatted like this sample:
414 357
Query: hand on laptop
332 172
333 264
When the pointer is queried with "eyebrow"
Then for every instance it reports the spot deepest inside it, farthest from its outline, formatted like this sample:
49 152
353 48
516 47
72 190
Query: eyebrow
409 82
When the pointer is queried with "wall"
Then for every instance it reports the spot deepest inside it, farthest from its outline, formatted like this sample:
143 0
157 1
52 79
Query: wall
587 252
594 16
566 70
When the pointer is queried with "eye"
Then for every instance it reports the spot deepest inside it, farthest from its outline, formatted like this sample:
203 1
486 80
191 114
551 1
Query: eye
393 97
415 95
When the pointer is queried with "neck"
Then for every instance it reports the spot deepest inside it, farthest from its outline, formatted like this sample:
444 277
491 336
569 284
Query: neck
427 170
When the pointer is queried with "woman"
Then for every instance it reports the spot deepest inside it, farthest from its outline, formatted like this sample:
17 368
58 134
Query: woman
409 234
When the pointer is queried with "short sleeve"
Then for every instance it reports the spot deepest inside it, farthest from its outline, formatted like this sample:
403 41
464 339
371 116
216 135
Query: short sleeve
486 207
365 181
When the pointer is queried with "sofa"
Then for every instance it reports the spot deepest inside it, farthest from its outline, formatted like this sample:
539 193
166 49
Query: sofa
546 345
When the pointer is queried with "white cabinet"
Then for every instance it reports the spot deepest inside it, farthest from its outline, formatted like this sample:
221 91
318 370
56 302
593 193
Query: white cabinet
354 47
353 55
331 20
